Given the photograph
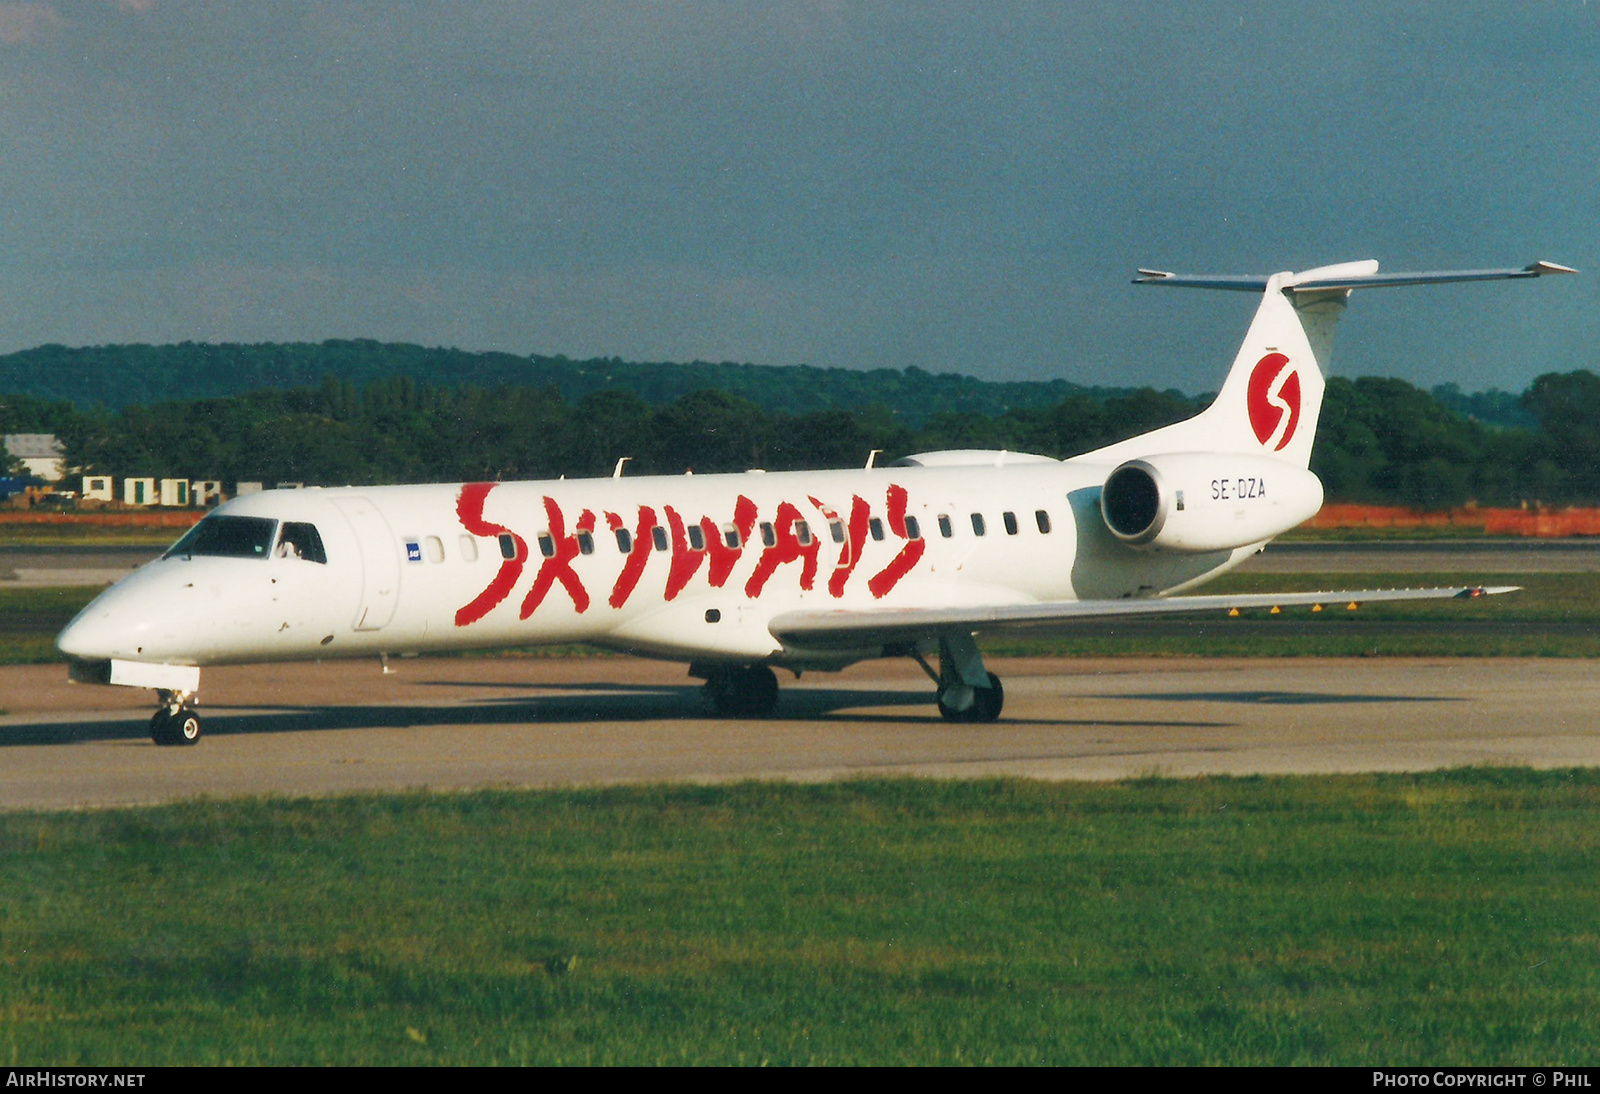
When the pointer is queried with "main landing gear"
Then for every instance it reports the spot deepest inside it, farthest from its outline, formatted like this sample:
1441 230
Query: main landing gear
175 723
967 691
740 691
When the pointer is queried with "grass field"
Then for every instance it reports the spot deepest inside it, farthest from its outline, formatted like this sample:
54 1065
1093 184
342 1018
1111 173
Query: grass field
87 535
30 619
1436 919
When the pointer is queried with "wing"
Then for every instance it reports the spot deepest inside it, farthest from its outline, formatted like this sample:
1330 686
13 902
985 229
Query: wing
853 629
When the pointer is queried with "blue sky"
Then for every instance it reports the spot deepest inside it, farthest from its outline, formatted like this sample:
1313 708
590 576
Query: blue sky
961 187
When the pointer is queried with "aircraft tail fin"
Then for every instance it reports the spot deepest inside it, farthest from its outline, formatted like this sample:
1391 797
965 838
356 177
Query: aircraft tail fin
1272 396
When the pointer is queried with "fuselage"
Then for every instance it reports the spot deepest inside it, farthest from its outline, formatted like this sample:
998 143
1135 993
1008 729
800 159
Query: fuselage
690 567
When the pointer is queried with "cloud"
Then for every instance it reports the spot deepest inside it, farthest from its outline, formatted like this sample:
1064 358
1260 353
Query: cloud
21 24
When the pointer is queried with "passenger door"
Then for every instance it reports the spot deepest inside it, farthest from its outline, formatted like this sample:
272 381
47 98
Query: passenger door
380 563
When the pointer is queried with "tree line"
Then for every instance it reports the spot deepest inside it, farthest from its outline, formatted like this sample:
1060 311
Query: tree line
134 375
1379 440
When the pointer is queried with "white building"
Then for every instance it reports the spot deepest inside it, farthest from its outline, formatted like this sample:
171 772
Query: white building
41 453
202 491
98 488
175 493
139 491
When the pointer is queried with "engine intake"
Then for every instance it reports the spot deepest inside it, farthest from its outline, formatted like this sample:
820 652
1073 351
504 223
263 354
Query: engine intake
1132 502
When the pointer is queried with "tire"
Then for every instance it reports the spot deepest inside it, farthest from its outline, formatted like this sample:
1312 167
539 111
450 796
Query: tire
759 688
951 714
986 704
180 729
748 692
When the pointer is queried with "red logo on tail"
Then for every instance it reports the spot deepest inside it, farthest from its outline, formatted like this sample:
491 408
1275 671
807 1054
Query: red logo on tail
1273 399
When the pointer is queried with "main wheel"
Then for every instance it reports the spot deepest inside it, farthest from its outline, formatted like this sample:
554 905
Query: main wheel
182 728
747 692
984 706
986 702
957 693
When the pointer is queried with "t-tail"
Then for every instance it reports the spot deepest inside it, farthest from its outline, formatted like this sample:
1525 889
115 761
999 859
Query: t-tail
1237 474
1272 397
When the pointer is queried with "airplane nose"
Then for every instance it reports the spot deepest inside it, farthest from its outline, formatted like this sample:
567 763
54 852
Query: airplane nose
133 619
84 639
109 627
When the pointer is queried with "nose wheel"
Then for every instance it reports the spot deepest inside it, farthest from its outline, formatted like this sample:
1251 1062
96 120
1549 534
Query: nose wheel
175 723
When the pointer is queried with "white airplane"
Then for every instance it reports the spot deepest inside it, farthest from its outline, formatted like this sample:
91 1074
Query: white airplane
738 573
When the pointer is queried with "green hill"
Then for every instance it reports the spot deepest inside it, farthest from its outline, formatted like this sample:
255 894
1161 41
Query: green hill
138 375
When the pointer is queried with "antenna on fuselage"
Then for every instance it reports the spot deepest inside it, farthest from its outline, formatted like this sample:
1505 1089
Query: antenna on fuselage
616 472
871 458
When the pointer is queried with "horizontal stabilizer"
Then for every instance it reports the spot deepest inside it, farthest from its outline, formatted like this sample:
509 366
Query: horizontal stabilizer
844 629
1351 275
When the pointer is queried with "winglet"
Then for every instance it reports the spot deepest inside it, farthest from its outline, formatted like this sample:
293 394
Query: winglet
1488 590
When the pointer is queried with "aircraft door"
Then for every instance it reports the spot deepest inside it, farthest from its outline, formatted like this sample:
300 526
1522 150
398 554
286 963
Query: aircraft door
380 563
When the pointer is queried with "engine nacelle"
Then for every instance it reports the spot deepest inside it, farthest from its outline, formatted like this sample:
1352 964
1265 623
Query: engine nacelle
1206 501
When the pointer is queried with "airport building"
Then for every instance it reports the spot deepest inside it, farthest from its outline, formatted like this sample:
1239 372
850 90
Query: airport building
139 491
43 459
41 454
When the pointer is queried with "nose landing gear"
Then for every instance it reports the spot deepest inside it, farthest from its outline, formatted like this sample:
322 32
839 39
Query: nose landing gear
175 723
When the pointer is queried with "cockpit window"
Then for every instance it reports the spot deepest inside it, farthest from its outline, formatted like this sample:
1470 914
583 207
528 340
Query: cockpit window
227 537
302 541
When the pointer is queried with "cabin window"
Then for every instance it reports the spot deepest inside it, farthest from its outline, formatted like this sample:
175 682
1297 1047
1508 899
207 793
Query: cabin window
1042 519
913 529
624 540
697 538
302 541
944 526
802 533
547 546
227 537
435 548
508 545
978 527
469 549
730 536
768 536
836 530
659 535
875 526
1010 520
586 543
